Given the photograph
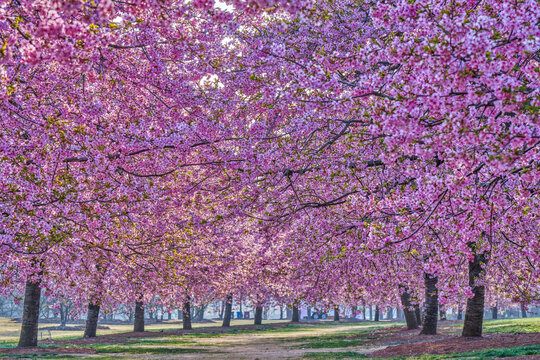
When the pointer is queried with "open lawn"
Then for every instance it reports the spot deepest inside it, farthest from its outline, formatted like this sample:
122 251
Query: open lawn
516 339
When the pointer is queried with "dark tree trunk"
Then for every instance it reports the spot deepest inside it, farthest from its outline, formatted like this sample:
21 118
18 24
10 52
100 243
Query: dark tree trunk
63 315
169 316
442 315
460 313
371 312
336 314
309 312
258 315
91 320
431 307
30 316
494 312
295 314
410 316
288 313
228 311
186 316
418 314
222 310
474 314
138 324
179 314
399 314
377 313
281 312
364 312
523 311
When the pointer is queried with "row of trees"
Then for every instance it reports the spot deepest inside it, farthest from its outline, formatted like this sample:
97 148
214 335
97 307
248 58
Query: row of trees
310 152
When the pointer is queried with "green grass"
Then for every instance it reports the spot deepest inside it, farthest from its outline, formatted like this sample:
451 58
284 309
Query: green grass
529 325
347 339
342 339
39 356
338 343
121 349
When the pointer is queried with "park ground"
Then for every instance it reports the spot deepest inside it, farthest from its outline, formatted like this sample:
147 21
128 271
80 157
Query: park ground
516 339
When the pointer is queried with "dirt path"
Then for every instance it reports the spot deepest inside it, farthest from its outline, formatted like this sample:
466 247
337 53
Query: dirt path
273 346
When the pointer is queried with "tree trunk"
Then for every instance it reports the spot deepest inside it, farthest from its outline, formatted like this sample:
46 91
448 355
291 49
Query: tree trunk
399 314
138 324
442 315
523 311
30 315
222 310
63 315
377 313
431 307
295 314
186 316
280 312
474 314
258 315
370 312
336 314
410 316
228 311
494 312
418 314
179 314
91 320
460 313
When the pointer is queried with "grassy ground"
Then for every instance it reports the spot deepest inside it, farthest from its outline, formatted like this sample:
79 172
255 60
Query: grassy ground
9 329
316 341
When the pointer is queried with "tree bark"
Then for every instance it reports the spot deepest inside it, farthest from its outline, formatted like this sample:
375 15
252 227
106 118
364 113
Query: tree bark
431 307
410 316
523 311
30 316
228 311
494 312
377 313
258 315
418 314
474 314
63 315
460 313
295 314
186 316
91 320
138 324
336 314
